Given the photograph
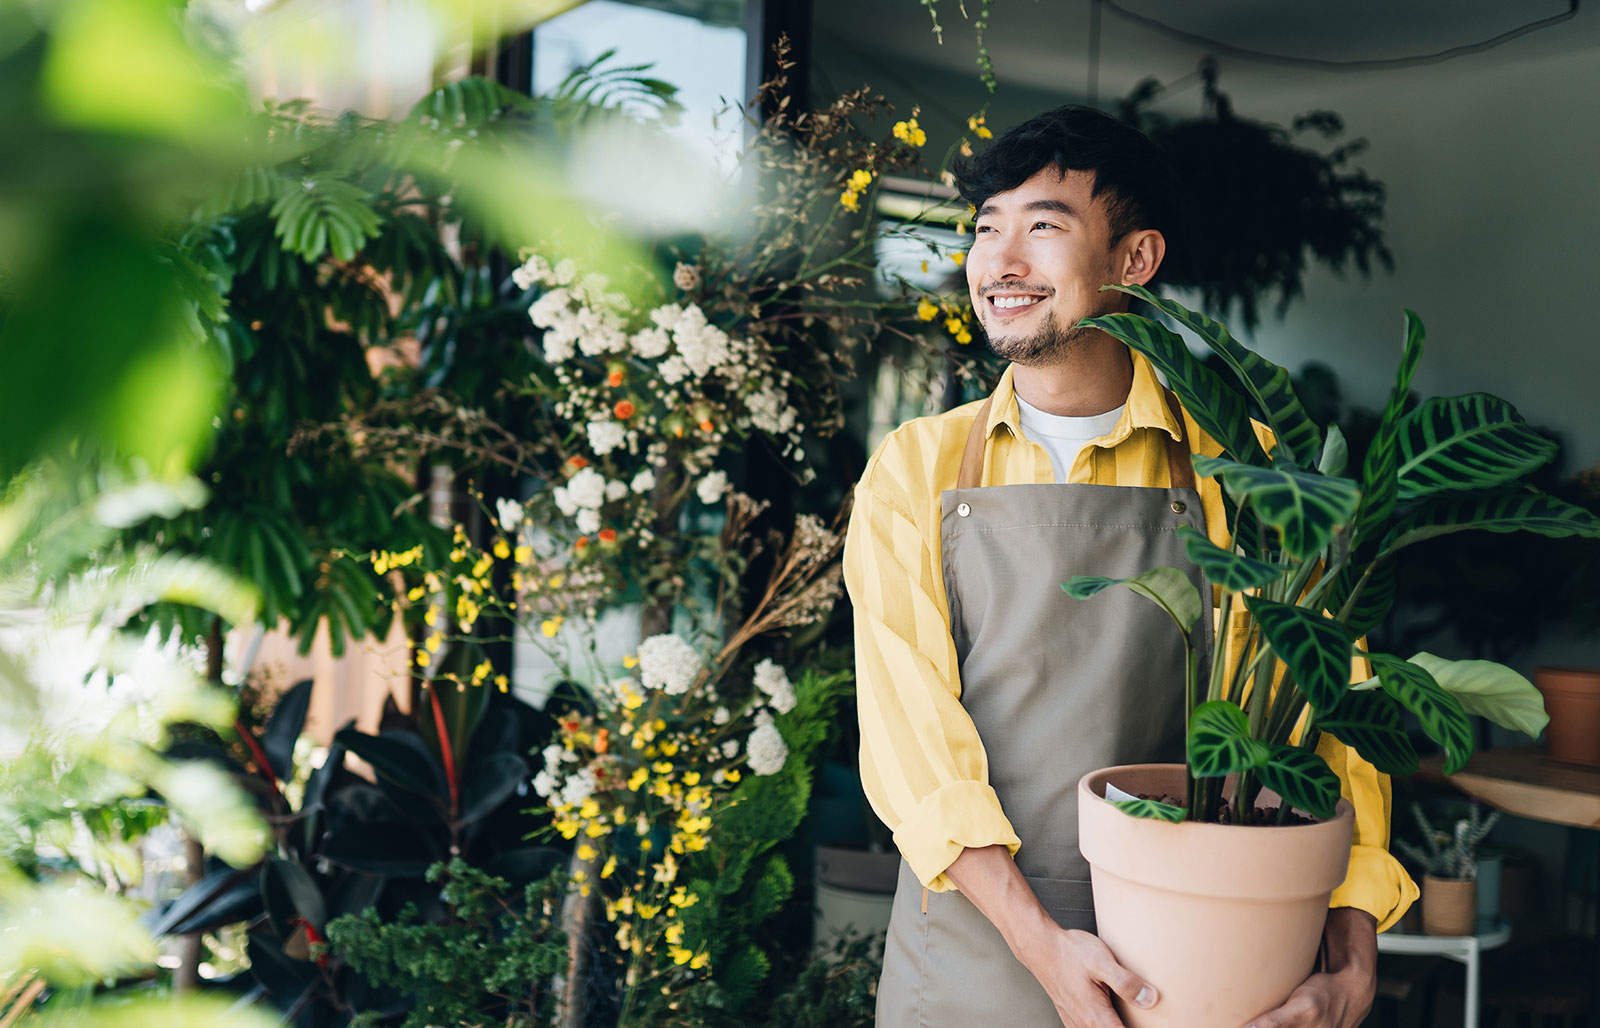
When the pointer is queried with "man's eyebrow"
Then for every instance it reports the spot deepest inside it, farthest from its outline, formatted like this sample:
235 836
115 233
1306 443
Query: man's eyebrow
1060 207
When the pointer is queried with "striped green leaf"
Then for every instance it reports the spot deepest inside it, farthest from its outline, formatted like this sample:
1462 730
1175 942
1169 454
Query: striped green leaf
1458 443
1380 479
1168 588
1441 715
1304 508
1302 779
1149 808
1265 382
1233 572
1215 406
1316 649
1368 721
1489 690
1220 741
1376 599
1516 510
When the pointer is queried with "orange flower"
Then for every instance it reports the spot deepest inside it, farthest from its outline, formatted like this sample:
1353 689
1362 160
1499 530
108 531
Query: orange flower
608 535
614 379
623 410
571 724
706 425
581 544
577 463
602 741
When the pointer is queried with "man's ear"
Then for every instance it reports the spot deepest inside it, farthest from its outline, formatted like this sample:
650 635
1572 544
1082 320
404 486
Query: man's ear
1142 252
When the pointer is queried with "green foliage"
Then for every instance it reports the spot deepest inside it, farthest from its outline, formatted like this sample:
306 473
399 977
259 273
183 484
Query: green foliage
1449 854
488 960
1168 588
1327 574
1150 808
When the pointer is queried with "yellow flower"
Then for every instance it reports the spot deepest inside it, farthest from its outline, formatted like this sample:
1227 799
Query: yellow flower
430 616
683 898
483 565
691 778
639 777
606 872
959 257
850 200
662 767
978 128
523 554
966 148
502 549
587 852
595 829
648 910
667 870
502 682
645 845
556 580
699 960
431 644
860 179
416 594
550 627
630 662
669 748
963 337
925 270
680 955
952 325
589 809
625 903
733 774
909 131
675 935
567 827
422 658
927 310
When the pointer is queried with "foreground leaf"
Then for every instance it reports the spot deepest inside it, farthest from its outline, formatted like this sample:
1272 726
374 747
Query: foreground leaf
1234 572
1489 690
1461 443
1266 383
1168 588
1368 721
1220 742
1149 808
1510 511
1305 508
1442 717
1316 649
1302 779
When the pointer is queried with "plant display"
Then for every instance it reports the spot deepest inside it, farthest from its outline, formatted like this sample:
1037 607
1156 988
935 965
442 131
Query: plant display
444 786
1452 854
1313 568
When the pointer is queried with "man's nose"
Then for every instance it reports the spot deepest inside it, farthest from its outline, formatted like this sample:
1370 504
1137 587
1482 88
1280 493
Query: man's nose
1008 259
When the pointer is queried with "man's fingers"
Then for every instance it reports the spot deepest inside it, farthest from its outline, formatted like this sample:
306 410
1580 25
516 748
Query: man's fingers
1124 982
1299 1009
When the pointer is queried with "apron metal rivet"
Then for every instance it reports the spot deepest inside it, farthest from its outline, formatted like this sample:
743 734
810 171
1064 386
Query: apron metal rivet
1178 506
963 509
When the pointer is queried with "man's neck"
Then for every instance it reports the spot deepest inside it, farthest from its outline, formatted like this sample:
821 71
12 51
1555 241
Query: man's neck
1096 377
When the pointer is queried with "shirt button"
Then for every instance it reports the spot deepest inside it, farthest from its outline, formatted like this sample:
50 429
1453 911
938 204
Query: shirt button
963 509
1178 506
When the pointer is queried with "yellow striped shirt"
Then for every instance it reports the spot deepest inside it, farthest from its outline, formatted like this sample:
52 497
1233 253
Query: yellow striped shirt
923 765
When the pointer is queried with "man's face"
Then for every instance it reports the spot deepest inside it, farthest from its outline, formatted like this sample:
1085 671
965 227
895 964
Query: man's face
1040 254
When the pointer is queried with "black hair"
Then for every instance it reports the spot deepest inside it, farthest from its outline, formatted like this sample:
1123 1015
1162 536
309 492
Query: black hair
1129 169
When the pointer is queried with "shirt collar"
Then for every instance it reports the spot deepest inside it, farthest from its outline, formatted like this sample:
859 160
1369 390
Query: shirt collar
1146 405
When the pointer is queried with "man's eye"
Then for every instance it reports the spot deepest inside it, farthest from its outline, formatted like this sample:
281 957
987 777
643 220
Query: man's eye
981 229
1042 224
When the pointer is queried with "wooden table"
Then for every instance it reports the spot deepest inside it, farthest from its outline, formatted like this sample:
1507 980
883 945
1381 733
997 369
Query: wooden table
1523 781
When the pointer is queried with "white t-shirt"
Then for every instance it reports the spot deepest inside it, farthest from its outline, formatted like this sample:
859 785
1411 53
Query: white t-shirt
1062 437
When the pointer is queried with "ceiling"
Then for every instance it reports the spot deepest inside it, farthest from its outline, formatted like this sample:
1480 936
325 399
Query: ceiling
1045 44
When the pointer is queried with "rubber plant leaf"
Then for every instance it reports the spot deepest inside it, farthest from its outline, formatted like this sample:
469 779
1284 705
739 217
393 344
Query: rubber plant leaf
1301 779
1316 649
283 729
1304 508
1265 382
1442 717
1516 510
1335 453
290 894
1232 571
1368 721
1461 443
1168 588
1489 690
1215 406
1220 742
1380 488
1149 808
400 758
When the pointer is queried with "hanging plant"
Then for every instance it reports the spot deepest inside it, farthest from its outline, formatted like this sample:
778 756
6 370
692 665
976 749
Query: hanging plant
1260 205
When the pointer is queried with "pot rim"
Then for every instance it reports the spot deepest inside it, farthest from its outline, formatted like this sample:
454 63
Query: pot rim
1340 812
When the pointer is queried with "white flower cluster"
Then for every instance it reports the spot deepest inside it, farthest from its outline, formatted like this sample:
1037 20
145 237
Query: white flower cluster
668 663
765 750
549 783
772 680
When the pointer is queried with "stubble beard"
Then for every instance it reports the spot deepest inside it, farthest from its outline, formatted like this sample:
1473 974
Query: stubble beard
1049 343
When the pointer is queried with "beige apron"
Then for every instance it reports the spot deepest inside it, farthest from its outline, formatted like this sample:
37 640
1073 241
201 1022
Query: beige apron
1057 687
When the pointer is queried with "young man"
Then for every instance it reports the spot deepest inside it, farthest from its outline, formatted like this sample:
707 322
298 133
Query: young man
984 691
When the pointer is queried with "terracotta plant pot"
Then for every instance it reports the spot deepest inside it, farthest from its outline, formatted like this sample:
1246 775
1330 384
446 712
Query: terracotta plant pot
1572 699
1449 905
1223 920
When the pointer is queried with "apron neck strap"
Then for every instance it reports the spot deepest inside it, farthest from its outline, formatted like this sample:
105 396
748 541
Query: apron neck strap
1178 463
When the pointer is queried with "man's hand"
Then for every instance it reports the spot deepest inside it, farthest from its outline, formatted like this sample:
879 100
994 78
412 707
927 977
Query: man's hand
1340 996
1078 972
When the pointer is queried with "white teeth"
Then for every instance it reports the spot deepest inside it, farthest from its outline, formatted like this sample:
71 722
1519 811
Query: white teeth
1007 302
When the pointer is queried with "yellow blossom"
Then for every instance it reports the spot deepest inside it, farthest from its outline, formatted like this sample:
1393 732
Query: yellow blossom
502 682
416 594
959 257
550 627
587 852
680 955
978 128
630 662
674 934
963 336
669 748
733 774
860 179
483 565
625 903
952 325
422 658
567 827
502 549
557 580
927 310
646 845
966 148
648 910
430 616
639 777
589 809
431 643
522 554
850 200
661 767
700 959
691 778
682 898
667 870
606 872
595 829
910 132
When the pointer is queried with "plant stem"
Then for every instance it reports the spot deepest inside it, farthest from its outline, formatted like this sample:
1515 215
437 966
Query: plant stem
1219 653
1191 683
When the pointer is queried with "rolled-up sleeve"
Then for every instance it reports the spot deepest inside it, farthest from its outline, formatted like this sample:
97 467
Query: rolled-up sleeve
923 766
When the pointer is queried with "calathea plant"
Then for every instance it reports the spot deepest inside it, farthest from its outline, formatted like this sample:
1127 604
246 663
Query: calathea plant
1312 569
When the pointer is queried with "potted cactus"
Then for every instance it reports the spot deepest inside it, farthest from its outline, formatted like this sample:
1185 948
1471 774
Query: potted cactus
1450 870
1253 823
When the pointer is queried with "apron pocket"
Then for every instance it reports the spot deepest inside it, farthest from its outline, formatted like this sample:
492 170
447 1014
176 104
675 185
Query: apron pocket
1069 900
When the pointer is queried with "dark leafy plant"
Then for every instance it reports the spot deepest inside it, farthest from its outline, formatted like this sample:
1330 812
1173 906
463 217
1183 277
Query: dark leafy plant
490 960
1257 204
1313 569
443 786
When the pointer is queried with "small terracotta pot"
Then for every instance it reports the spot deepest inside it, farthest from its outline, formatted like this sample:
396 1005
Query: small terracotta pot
1449 905
1168 898
1572 699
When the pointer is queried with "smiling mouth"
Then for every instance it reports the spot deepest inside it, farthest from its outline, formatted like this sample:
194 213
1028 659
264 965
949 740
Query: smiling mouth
1013 302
